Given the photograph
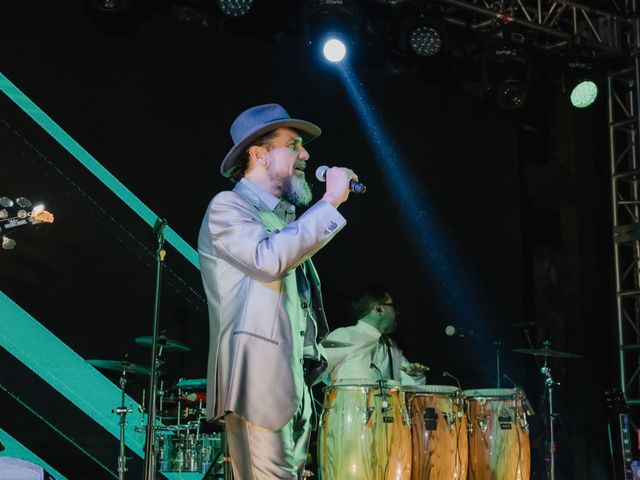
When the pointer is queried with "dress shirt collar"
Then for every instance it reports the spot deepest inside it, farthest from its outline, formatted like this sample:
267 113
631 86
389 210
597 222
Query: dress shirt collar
367 328
264 200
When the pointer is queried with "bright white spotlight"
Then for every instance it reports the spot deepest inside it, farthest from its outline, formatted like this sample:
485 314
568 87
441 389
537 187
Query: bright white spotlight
334 50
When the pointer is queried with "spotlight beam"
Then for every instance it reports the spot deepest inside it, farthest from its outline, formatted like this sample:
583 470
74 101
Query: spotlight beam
420 218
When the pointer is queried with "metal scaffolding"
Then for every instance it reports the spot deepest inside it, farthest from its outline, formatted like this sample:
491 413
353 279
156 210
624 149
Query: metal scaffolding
624 95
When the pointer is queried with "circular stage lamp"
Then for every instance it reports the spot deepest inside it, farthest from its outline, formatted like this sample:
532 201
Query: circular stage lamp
334 50
235 8
584 94
425 41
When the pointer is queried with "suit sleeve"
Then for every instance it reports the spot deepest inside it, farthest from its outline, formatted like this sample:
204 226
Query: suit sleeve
239 236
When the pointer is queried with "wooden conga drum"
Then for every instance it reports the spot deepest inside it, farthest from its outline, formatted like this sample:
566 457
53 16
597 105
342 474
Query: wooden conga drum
438 432
364 432
498 435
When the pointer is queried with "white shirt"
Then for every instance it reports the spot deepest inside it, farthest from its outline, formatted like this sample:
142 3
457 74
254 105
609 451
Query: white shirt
354 362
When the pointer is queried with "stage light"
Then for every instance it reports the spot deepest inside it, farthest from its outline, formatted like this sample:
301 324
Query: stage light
506 76
423 37
109 6
235 8
584 94
425 41
334 50
332 27
579 81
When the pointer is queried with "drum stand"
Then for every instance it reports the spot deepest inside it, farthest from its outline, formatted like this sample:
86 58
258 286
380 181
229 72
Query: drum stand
122 411
549 383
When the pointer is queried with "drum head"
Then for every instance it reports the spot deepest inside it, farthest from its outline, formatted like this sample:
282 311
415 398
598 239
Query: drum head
361 382
435 389
491 392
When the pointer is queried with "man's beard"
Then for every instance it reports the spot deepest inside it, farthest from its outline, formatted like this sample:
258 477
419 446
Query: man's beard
296 190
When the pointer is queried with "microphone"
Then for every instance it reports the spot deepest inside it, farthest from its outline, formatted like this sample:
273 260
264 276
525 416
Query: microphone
458 394
504 375
460 332
354 186
373 366
447 374
381 387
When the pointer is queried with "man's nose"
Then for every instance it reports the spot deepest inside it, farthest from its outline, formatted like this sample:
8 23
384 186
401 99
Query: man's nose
303 154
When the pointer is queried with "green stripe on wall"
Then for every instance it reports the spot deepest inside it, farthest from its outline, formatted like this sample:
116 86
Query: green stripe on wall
53 361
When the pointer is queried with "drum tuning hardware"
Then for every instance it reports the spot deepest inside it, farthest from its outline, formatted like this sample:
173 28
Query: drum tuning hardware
524 424
483 422
365 413
450 418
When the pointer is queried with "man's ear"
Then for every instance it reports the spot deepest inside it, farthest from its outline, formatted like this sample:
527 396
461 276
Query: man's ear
257 154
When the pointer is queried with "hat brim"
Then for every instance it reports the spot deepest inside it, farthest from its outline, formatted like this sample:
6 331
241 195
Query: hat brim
308 131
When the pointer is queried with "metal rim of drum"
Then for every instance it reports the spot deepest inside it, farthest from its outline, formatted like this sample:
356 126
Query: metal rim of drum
430 389
361 383
491 393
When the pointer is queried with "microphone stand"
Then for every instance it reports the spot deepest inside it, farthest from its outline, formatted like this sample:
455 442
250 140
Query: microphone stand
382 387
122 411
149 449
498 344
549 383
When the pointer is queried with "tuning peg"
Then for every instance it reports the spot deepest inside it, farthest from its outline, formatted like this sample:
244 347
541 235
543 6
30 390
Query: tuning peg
6 202
8 243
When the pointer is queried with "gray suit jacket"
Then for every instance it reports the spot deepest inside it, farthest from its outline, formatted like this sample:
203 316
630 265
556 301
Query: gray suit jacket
248 260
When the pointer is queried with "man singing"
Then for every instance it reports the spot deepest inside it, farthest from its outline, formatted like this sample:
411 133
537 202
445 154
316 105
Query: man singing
265 306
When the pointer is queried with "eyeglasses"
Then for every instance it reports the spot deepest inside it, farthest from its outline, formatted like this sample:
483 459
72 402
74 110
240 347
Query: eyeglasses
391 304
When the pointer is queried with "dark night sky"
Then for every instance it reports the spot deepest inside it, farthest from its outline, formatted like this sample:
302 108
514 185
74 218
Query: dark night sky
154 105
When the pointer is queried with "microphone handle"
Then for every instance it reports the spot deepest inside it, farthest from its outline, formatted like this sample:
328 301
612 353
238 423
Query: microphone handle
357 187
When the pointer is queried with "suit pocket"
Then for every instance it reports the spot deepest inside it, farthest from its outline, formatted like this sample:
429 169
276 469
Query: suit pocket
255 335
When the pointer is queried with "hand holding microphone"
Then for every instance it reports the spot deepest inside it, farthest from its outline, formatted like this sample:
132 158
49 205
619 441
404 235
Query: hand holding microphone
340 181
354 185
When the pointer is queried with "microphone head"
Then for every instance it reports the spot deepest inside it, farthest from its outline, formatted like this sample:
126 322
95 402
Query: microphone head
450 330
321 173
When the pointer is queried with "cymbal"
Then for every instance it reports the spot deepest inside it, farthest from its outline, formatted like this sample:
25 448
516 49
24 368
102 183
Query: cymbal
192 384
335 344
167 344
546 352
119 366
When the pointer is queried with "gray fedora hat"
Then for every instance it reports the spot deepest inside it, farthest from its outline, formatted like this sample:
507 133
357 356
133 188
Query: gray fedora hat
257 121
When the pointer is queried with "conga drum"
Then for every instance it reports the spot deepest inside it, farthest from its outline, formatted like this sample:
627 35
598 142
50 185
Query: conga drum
364 432
439 441
498 435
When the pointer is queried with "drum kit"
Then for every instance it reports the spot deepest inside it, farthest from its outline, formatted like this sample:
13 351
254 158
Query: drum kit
386 431
368 430
183 440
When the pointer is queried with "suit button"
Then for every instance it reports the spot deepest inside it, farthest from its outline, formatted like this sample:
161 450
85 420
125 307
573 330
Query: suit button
304 305
302 333
302 361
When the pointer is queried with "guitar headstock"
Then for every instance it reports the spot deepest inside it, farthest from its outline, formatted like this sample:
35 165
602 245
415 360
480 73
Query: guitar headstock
19 214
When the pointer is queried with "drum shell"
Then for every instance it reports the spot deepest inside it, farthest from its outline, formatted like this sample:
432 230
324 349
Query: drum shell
499 445
358 439
184 451
438 432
